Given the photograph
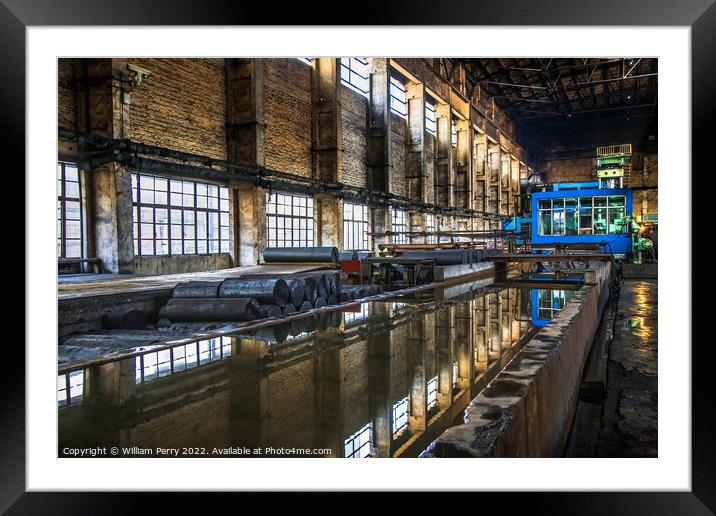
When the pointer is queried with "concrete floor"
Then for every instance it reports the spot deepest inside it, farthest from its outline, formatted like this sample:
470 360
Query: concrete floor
629 418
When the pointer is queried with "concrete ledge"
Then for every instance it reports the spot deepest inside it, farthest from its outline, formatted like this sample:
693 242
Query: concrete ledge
640 271
447 272
526 411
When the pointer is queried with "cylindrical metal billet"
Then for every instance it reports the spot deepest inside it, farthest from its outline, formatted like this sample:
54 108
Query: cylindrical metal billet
297 286
332 300
270 311
264 291
125 320
310 289
320 302
305 306
345 256
335 282
197 289
289 309
301 254
344 296
200 310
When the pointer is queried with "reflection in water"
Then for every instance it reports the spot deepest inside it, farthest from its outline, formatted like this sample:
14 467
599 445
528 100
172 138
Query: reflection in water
382 381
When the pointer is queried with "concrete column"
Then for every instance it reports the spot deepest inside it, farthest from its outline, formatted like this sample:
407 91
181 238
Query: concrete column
417 223
329 220
494 185
515 184
380 352
417 333
505 191
329 421
245 125
415 165
444 173
251 227
326 119
250 417
104 89
463 165
378 133
245 121
463 341
443 347
480 185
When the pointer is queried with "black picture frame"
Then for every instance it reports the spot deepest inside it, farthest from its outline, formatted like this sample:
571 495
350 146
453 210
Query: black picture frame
700 15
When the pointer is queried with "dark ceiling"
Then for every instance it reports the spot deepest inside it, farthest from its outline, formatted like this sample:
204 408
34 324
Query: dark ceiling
565 96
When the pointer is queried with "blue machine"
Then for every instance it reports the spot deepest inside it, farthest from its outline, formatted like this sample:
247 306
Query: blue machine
583 215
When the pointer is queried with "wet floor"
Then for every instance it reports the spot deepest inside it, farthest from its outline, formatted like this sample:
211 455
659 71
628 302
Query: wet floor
383 379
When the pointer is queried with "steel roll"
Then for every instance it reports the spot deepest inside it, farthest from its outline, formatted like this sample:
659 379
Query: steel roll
335 282
196 289
289 309
265 291
305 307
332 299
297 287
320 302
323 286
345 256
442 256
310 289
301 254
201 310
270 311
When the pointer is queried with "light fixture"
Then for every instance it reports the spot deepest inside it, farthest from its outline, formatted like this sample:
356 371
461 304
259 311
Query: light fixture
137 74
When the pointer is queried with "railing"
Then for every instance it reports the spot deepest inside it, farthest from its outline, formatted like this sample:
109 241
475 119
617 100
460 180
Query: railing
614 150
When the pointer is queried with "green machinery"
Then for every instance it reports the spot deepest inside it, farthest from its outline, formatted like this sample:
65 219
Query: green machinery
639 244
613 165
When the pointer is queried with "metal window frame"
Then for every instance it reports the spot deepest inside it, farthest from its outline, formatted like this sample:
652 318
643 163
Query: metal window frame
68 400
310 221
368 427
353 71
349 223
399 222
62 200
140 376
578 213
432 392
397 429
431 127
138 204
397 86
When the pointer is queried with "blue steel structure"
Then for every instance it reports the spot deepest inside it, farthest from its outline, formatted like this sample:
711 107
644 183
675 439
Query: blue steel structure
617 243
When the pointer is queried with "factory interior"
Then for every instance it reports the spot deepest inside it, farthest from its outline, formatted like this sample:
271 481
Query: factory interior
358 257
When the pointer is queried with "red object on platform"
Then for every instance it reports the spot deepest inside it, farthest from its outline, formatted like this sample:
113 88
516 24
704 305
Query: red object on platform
351 266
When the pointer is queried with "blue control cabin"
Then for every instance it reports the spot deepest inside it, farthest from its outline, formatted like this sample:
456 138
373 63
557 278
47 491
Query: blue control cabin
583 214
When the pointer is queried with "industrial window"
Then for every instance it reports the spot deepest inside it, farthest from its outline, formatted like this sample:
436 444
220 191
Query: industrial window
398 101
453 132
549 302
358 445
349 317
289 220
70 388
70 225
307 60
180 358
432 392
454 375
430 227
400 415
354 74
355 227
175 216
399 225
430 116
582 216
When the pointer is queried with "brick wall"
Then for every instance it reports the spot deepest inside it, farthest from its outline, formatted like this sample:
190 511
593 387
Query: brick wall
567 170
355 394
291 406
353 118
181 105
430 166
66 100
287 98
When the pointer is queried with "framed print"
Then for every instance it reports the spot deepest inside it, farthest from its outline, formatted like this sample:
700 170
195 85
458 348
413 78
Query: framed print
431 236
